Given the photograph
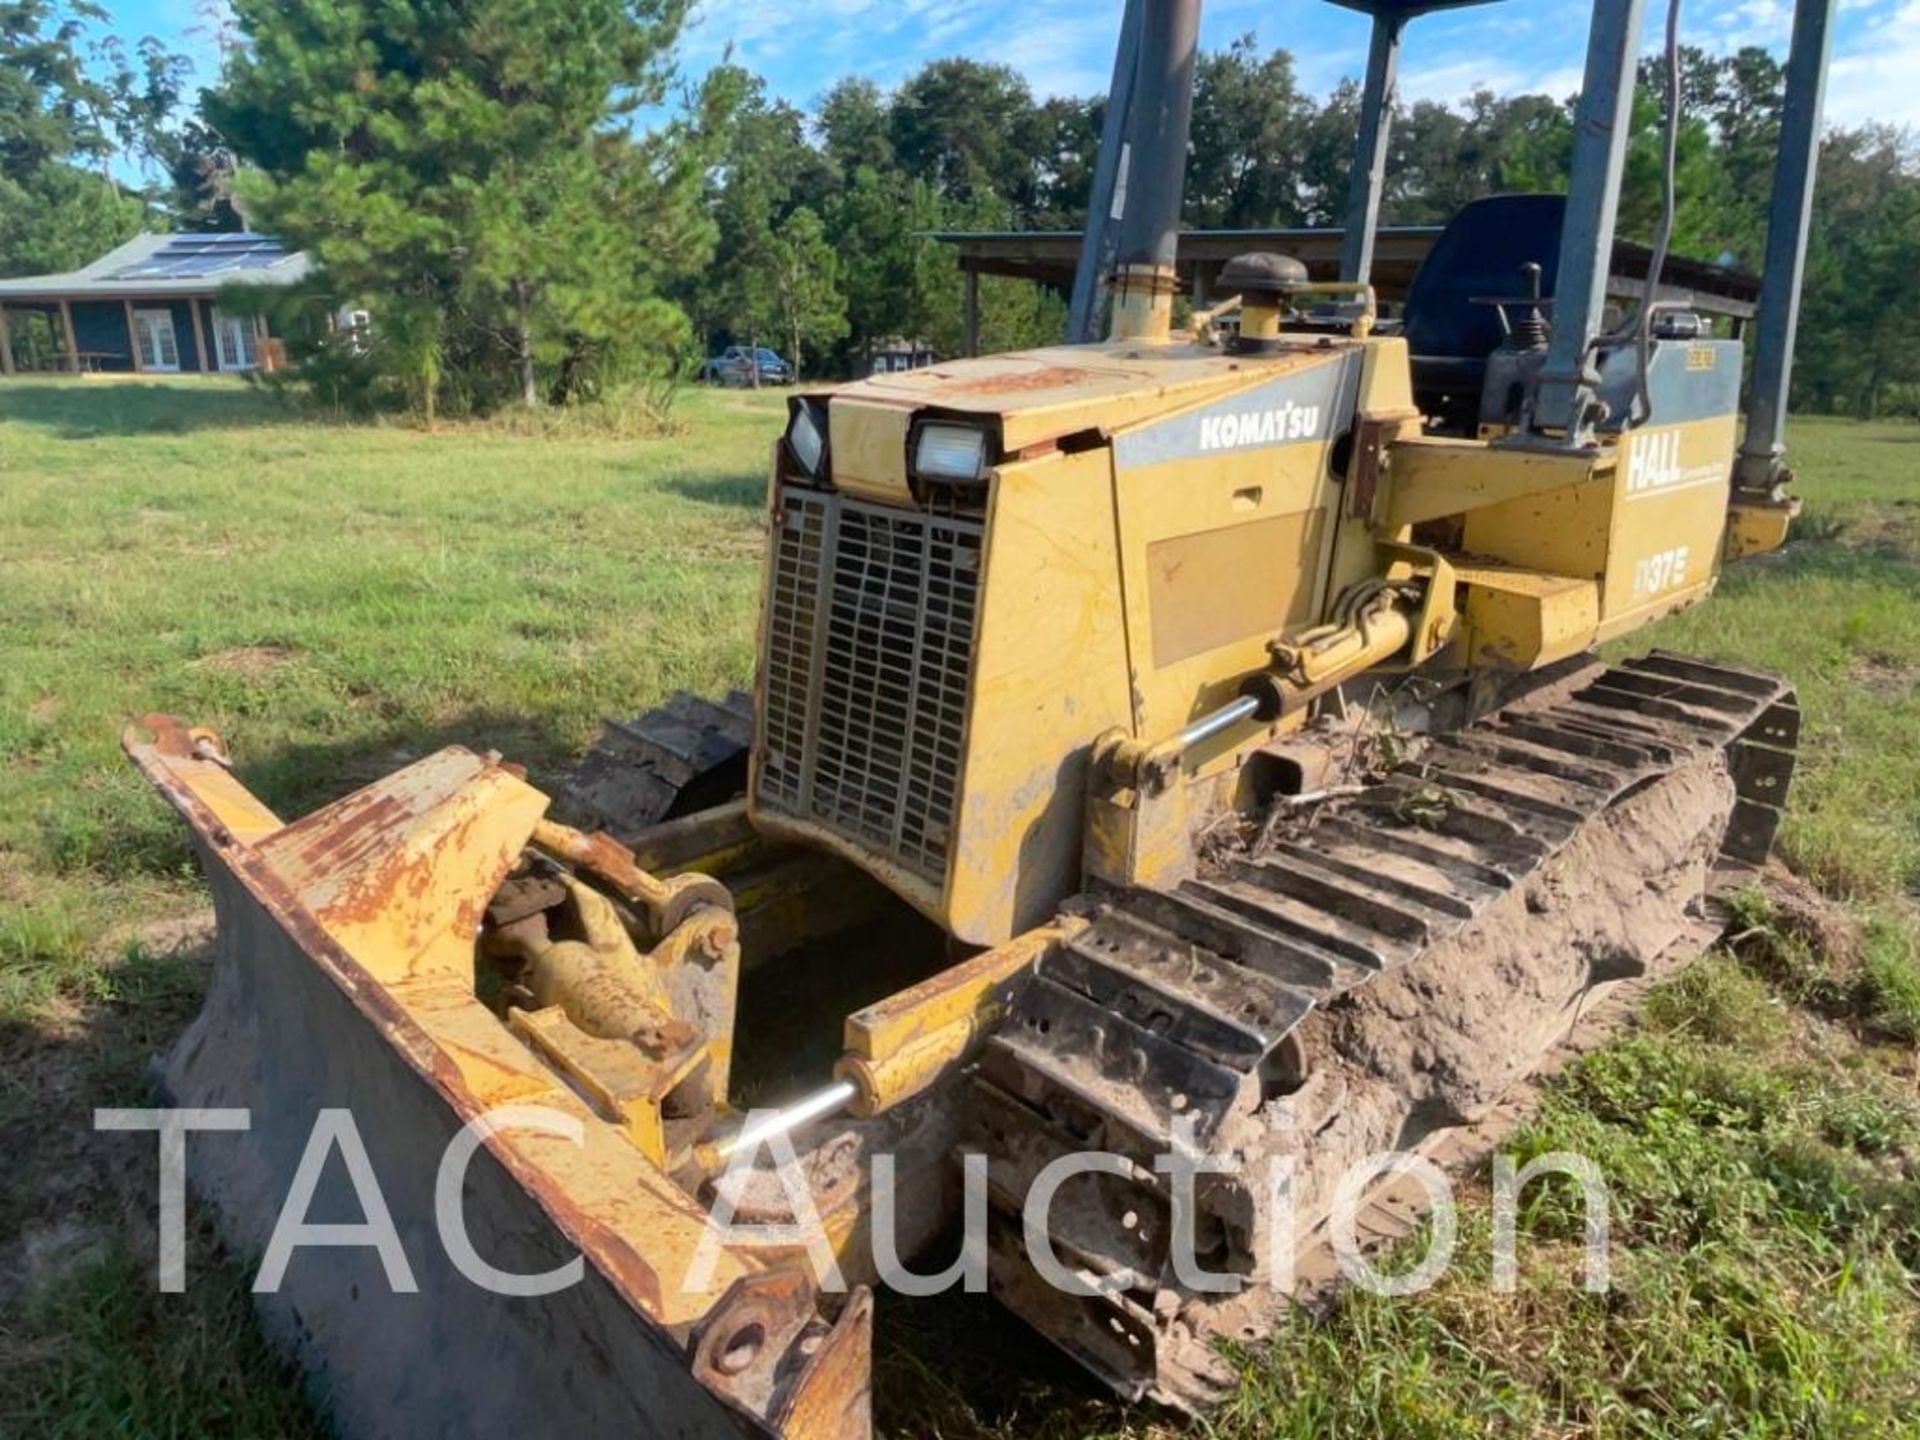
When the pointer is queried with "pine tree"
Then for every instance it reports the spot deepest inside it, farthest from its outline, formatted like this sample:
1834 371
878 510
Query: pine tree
806 284
463 172
871 225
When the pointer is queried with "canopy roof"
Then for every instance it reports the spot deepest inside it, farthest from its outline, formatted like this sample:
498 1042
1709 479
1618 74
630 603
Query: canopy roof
1049 256
1406 9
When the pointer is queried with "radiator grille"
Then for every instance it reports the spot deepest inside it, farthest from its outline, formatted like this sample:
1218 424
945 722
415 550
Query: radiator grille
870 649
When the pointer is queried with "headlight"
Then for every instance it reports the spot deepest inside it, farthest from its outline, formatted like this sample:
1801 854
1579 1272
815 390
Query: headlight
807 437
954 453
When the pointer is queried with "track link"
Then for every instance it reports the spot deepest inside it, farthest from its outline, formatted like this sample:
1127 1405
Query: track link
1177 1010
685 755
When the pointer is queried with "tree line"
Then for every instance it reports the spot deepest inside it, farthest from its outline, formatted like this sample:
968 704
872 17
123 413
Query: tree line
535 209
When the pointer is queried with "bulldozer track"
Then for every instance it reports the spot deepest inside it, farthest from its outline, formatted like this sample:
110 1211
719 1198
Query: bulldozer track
684 755
1152 1023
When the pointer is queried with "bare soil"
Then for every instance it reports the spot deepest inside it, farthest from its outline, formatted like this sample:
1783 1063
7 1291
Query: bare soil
249 659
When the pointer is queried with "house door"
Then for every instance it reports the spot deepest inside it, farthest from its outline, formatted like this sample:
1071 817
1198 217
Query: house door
234 341
153 333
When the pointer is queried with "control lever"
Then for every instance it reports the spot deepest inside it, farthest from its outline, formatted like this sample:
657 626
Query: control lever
1532 329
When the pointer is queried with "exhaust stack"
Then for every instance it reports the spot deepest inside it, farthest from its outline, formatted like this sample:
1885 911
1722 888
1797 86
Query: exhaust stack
1143 281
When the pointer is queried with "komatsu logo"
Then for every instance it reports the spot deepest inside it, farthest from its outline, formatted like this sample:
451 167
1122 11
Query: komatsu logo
1286 421
1303 406
1654 466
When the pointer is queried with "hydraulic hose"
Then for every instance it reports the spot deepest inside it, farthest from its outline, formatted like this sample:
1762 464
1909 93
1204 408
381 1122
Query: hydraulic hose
1642 326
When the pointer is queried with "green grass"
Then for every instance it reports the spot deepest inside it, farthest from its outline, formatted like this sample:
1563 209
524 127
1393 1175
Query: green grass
338 599
333 600
1834 611
213 1375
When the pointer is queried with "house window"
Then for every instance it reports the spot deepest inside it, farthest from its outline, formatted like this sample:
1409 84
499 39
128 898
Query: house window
234 342
153 333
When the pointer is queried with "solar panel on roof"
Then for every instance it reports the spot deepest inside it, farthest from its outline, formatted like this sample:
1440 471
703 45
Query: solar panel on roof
187 257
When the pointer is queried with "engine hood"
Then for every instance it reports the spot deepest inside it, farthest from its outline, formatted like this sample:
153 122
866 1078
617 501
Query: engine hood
1046 394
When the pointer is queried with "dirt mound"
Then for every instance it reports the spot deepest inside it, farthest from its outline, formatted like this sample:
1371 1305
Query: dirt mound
1826 928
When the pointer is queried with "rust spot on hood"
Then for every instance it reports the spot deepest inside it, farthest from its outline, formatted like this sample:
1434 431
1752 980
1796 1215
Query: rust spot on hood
1013 382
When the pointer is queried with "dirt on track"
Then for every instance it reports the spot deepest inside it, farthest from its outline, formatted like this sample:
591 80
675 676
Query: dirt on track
1435 1044
1416 1059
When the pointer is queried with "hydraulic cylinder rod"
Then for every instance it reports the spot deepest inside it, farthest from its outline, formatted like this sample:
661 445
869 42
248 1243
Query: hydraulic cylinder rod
1305 667
755 1133
1221 720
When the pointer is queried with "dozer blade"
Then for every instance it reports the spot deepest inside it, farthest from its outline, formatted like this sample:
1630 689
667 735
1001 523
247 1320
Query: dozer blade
344 982
1379 977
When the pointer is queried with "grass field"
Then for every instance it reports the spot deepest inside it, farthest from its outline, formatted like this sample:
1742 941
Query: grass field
337 600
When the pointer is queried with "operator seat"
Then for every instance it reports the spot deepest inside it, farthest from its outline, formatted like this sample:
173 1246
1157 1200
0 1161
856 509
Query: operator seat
1479 254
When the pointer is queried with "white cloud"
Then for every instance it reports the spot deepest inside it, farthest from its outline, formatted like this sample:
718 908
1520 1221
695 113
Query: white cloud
1876 74
1454 82
1061 48
1059 54
1752 22
773 35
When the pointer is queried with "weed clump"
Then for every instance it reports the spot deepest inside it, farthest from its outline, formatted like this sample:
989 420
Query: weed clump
1867 975
1890 979
1720 1002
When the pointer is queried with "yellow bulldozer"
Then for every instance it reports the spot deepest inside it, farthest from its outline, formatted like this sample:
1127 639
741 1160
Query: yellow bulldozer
1186 742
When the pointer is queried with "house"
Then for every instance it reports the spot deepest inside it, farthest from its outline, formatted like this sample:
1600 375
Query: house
893 353
150 306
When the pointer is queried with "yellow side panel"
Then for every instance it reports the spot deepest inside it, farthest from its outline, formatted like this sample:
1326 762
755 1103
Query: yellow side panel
1517 620
1669 522
1050 674
1190 660
1563 532
1208 590
1651 538
1282 496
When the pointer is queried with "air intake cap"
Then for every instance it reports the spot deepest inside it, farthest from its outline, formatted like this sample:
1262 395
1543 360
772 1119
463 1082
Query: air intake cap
1263 273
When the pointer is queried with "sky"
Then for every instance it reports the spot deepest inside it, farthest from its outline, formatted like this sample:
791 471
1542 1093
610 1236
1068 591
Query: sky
1065 47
